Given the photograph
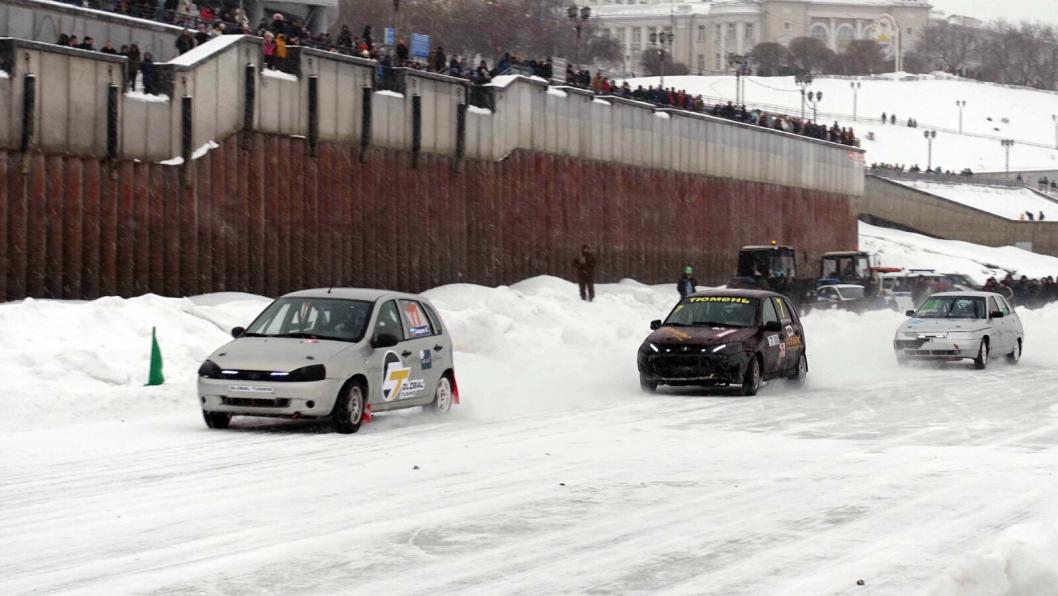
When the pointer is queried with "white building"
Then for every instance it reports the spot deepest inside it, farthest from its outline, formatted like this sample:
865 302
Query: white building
708 32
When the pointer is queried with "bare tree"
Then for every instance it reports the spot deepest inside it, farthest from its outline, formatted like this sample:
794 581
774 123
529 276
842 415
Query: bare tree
809 54
769 58
651 60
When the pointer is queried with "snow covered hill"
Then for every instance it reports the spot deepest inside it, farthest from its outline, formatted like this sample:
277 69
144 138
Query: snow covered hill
555 475
992 112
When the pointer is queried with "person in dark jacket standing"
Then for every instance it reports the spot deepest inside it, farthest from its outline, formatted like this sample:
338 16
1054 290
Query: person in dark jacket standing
687 284
184 42
133 66
440 60
149 74
585 266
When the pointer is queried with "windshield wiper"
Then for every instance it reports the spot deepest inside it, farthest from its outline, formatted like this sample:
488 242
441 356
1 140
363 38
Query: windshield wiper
311 336
714 324
254 335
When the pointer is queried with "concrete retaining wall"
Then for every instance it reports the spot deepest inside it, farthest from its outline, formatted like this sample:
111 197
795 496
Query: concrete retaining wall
528 116
942 218
39 20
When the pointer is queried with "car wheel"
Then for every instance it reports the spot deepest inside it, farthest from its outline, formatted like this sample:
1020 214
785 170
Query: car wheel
349 410
981 362
1015 356
751 382
216 419
442 398
798 377
647 385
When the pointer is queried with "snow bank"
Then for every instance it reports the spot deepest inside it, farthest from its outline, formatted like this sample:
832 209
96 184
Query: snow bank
993 110
197 153
210 48
278 75
1022 561
479 111
146 97
1004 201
896 248
504 80
69 360
389 94
556 92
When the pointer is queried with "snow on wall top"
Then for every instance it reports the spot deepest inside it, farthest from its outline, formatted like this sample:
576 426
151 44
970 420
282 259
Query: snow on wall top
1008 202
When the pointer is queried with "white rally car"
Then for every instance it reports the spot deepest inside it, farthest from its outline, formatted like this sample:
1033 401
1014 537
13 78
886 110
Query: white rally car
956 325
334 353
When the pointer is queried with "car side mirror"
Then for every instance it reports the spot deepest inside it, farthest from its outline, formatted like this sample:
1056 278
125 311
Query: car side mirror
655 324
237 332
385 340
910 313
773 326
997 314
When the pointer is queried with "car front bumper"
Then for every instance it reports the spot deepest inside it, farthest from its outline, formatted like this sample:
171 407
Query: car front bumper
693 369
936 349
312 399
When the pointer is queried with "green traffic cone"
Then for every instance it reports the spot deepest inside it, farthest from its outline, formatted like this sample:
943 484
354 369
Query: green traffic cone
155 376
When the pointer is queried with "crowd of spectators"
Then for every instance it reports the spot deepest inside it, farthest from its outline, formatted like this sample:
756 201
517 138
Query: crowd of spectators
914 169
1030 293
209 19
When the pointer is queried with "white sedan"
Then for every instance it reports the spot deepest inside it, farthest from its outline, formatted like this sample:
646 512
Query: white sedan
958 325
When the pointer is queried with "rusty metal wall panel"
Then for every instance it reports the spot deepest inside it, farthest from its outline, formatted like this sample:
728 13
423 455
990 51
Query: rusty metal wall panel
91 232
4 208
269 219
108 232
50 230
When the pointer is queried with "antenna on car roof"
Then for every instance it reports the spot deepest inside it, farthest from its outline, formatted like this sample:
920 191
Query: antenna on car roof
329 289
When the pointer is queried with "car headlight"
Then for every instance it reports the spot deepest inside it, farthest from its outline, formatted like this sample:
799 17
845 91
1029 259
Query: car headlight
725 349
650 348
316 372
209 370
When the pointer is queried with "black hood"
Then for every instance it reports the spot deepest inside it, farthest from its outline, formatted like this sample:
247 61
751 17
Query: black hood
699 335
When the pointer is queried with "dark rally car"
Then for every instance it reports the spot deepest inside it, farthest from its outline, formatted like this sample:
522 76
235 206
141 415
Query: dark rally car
725 337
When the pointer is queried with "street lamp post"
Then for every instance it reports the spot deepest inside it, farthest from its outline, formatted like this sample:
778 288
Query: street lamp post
803 81
930 135
741 66
961 103
578 16
662 39
1008 144
814 97
1055 118
855 97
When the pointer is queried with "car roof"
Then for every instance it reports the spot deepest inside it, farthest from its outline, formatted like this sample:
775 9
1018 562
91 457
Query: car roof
735 293
967 294
845 253
368 294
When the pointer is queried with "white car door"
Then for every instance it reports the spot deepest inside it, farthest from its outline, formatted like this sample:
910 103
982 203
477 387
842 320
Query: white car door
1000 331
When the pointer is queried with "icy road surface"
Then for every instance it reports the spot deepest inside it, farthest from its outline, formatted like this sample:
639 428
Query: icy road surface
556 475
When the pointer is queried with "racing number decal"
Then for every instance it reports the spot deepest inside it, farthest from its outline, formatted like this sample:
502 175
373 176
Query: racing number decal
417 324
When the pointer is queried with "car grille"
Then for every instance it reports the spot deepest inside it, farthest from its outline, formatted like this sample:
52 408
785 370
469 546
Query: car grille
254 375
248 402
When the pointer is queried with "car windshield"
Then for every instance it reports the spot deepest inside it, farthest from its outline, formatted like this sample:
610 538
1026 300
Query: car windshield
952 307
313 318
723 311
851 292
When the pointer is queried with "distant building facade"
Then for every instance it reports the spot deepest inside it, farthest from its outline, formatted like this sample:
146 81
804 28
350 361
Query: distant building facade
708 33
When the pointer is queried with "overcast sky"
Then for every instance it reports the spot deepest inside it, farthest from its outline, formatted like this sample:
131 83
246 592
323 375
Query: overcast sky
1011 10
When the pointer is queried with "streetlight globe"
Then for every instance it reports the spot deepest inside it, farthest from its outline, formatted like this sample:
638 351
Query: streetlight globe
585 13
571 12
819 96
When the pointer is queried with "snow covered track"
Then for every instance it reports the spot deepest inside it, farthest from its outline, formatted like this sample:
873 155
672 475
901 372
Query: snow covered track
556 475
